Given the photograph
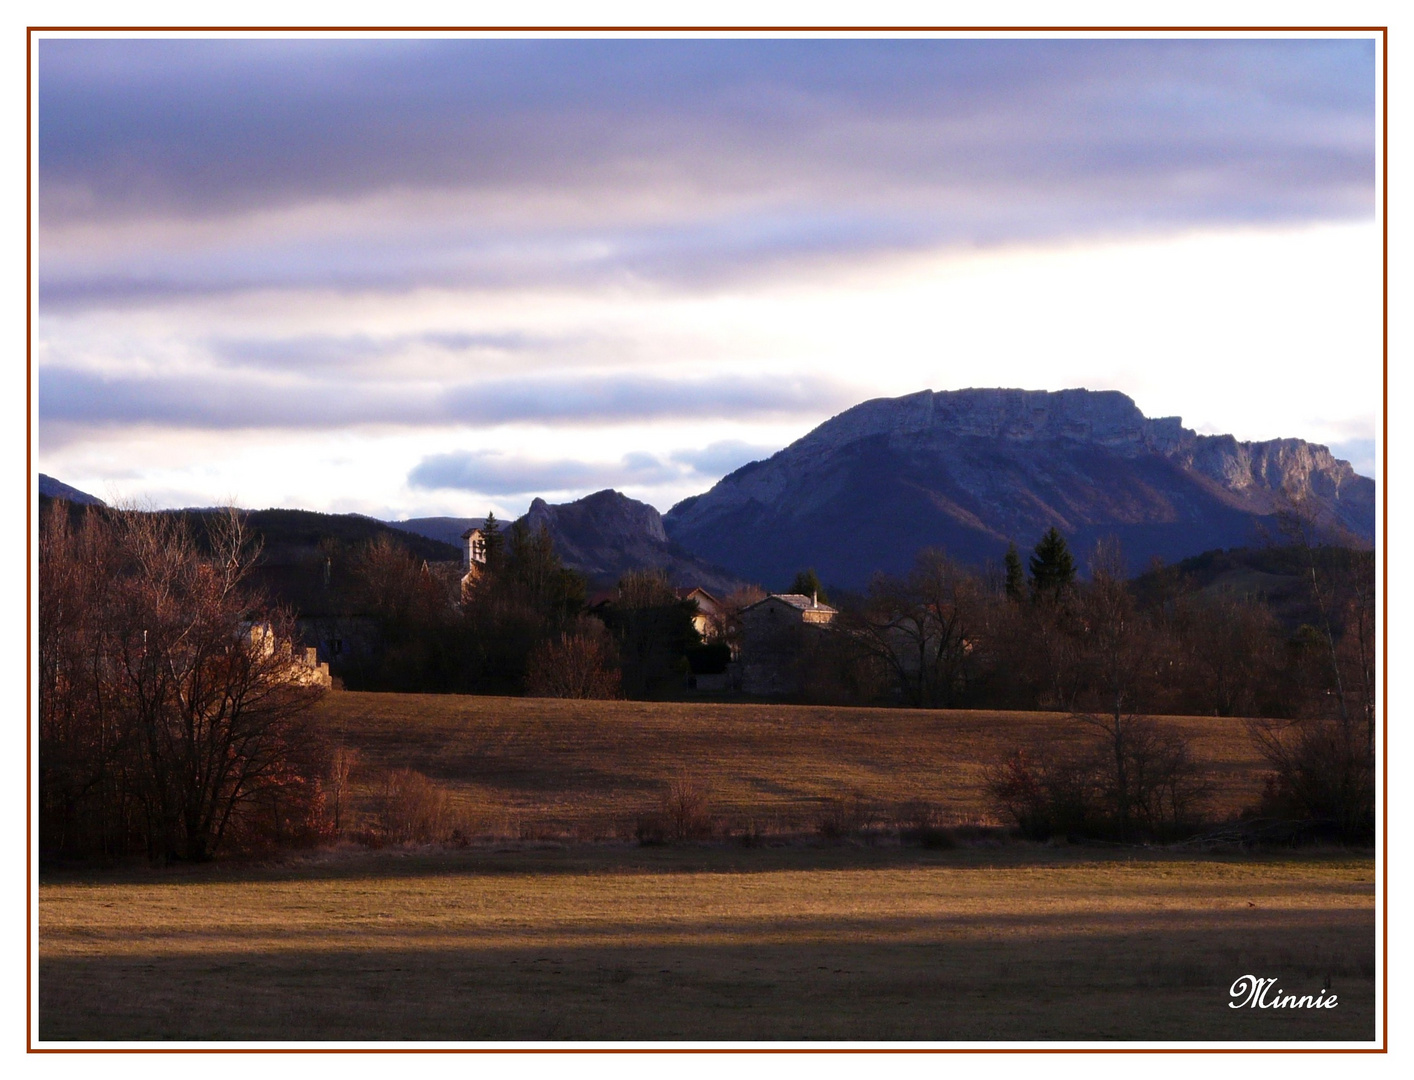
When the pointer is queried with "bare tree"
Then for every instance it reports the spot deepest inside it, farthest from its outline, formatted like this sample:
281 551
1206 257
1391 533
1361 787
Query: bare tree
581 663
341 765
1117 649
169 690
1224 653
922 627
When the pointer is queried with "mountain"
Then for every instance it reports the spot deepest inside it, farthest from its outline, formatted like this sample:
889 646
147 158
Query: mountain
55 489
446 529
606 534
970 470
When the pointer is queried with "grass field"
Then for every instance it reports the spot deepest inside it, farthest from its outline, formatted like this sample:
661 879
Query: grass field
614 942
537 767
516 937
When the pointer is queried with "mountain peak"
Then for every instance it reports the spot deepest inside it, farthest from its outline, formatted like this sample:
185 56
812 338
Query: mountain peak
970 470
606 534
1103 417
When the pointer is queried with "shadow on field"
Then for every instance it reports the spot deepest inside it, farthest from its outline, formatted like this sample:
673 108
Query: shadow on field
990 984
354 864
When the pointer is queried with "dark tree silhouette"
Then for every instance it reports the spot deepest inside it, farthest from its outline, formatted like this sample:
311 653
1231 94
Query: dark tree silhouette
1052 566
806 583
494 543
1015 576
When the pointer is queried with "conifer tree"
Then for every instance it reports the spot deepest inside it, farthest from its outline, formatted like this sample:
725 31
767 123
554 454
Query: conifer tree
806 583
1052 566
1015 577
493 541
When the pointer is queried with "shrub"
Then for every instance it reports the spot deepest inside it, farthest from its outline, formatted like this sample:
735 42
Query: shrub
709 659
1135 782
843 817
410 808
1324 774
921 823
685 809
651 830
580 663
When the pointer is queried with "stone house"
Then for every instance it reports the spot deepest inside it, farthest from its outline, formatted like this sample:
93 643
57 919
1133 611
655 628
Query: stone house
774 633
303 664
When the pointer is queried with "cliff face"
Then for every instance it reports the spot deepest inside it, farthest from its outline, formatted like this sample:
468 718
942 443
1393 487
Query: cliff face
970 470
605 535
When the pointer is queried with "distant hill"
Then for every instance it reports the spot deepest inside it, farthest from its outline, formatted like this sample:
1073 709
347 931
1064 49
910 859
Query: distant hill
448 530
295 546
297 534
1277 576
50 488
605 535
970 470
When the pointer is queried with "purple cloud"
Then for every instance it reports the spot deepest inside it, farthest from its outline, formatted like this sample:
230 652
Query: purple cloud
677 159
246 399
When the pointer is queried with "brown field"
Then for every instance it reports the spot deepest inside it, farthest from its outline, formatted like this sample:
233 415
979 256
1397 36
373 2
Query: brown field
711 943
538 767
526 935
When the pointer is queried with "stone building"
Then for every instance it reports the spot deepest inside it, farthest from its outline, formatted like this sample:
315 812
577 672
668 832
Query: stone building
473 559
774 634
303 665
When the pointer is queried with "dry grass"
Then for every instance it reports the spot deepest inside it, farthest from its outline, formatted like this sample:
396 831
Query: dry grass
704 944
585 769
700 942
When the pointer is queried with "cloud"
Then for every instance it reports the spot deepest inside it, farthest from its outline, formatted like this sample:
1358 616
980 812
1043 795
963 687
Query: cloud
245 399
720 458
175 167
490 473
198 125
1359 452
306 352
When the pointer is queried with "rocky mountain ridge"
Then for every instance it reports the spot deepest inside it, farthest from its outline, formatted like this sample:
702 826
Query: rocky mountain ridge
607 534
970 470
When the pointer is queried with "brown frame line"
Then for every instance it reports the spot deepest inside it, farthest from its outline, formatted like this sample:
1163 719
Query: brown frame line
1385 526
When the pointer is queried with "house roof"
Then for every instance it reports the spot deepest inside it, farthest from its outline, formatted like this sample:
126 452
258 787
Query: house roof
687 592
795 600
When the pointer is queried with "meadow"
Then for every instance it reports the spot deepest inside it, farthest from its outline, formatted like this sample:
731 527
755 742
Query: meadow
701 944
553 926
541 768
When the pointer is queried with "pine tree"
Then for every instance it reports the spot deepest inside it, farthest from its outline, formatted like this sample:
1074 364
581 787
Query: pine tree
1015 577
1052 566
807 584
493 540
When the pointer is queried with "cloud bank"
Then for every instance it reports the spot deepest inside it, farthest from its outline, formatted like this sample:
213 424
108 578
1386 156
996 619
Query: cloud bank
498 162
247 401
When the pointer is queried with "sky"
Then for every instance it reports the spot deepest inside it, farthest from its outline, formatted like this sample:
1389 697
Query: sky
422 277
